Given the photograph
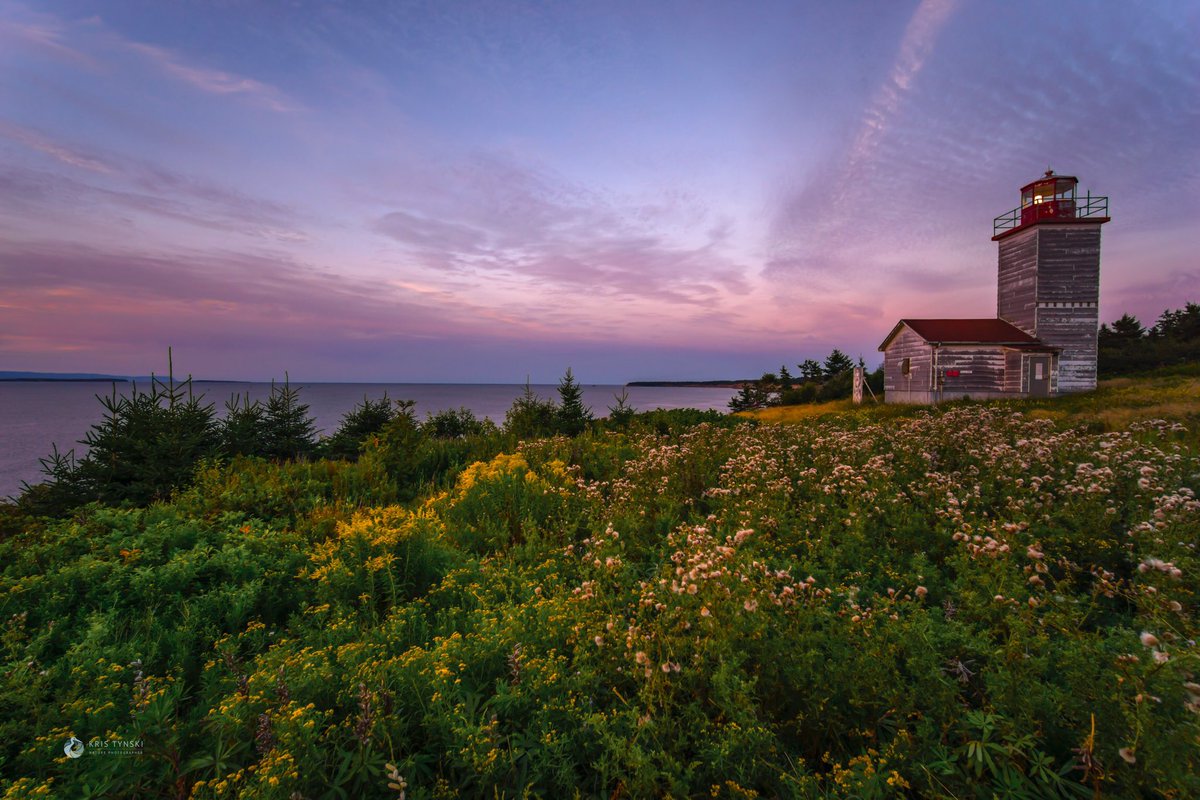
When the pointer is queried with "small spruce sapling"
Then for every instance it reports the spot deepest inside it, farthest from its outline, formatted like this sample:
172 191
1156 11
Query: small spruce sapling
573 417
530 416
289 431
621 415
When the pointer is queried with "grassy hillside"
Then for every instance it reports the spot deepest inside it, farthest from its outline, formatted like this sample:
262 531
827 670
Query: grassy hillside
970 602
1117 402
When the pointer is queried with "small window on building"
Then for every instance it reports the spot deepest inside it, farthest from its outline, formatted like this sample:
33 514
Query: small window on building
1038 366
906 366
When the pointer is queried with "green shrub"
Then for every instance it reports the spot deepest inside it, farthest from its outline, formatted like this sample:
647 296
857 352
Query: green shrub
288 431
146 445
530 416
963 602
360 423
243 429
456 423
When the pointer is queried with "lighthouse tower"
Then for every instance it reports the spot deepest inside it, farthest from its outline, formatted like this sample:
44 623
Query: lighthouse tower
1049 274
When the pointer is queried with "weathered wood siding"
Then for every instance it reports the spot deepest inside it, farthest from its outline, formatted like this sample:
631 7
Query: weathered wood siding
1017 282
980 368
1068 294
915 386
1013 371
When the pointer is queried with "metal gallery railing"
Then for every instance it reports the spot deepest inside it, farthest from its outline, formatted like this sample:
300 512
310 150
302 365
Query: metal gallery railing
1062 208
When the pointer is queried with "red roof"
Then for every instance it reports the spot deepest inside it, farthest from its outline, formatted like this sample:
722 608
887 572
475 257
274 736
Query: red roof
964 331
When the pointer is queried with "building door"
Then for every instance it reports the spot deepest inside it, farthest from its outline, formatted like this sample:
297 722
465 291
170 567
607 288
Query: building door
1039 376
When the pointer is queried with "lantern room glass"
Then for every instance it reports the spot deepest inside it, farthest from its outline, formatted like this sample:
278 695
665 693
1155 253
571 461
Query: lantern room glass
1051 197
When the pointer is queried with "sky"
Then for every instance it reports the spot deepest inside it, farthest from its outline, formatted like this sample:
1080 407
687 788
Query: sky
495 191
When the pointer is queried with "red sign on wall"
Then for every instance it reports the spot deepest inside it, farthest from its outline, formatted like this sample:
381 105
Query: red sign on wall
951 373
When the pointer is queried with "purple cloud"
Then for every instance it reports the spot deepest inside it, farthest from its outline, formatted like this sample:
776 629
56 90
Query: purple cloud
208 80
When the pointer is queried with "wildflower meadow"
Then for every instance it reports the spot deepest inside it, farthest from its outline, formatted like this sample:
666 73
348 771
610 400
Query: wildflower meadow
962 603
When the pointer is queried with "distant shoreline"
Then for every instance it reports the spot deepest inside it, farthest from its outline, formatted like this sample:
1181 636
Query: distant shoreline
692 384
66 380
53 378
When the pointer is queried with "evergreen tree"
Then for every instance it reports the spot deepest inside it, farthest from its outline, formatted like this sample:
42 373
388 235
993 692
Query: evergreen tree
146 445
785 378
454 423
1128 328
769 389
837 363
530 416
288 431
811 370
364 420
621 415
400 444
242 430
749 397
837 387
1181 325
1126 346
572 416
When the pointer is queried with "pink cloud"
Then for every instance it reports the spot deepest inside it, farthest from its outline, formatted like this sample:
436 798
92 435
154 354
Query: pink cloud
494 217
46 33
73 41
210 81
43 144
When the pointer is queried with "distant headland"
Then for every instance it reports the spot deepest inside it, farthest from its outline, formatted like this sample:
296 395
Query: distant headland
725 384
63 376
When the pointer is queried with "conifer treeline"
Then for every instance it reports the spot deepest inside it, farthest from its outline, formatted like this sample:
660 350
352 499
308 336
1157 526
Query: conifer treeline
817 383
1127 346
150 442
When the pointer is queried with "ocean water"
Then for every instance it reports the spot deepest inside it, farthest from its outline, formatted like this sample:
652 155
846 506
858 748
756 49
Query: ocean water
37 415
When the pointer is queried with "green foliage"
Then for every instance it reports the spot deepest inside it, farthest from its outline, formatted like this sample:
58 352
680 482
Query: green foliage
360 423
833 381
966 602
750 396
621 415
1182 324
810 369
836 363
530 416
399 447
146 445
242 429
456 423
572 417
837 387
1127 328
805 392
675 421
288 431
1127 347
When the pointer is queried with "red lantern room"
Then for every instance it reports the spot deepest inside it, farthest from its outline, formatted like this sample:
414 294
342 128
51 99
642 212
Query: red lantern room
1049 197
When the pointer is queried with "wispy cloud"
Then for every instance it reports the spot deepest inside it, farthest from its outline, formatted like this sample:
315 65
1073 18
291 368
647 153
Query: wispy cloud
919 38
73 293
831 197
44 144
495 216
45 32
143 190
208 80
85 43
435 234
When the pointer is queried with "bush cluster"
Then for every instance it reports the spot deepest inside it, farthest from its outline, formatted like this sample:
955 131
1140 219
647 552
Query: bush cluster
1127 347
150 443
960 603
818 383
